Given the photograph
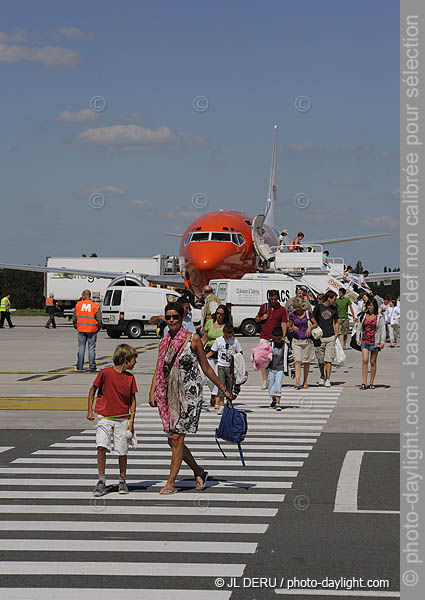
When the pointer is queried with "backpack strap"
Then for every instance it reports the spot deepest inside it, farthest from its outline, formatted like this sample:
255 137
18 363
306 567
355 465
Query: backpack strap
240 454
221 449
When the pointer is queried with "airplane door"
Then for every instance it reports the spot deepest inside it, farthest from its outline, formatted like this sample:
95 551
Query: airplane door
262 249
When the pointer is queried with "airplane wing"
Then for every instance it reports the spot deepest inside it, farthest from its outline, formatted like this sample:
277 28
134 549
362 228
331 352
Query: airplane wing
392 276
348 239
178 235
173 280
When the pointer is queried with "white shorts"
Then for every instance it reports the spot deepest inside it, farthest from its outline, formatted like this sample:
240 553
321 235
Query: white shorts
110 434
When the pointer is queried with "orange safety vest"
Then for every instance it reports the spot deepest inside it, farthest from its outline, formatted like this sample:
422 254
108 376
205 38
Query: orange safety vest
49 301
85 312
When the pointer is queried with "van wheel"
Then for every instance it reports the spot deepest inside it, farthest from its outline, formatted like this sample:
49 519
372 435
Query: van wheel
113 333
135 330
249 327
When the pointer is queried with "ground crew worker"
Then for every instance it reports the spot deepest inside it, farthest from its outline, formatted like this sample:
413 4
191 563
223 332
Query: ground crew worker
5 307
51 309
87 319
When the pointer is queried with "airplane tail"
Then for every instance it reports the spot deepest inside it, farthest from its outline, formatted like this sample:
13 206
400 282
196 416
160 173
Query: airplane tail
271 198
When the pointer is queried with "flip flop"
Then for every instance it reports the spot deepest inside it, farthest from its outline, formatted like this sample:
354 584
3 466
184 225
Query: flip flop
204 477
363 386
168 491
372 387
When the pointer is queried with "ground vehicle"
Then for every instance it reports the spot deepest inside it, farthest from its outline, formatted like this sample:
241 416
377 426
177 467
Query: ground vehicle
127 309
67 288
245 296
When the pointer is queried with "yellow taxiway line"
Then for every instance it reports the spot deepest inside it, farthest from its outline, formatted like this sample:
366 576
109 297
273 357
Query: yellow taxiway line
43 403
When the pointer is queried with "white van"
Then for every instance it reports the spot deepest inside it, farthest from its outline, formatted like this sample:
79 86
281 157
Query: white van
244 296
127 309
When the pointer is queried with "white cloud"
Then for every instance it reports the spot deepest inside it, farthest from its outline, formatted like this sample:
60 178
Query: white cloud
105 190
82 116
134 137
70 33
126 134
13 38
47 56
382 222
142 204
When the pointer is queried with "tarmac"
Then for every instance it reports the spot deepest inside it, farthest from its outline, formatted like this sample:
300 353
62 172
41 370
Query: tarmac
37 373
317 502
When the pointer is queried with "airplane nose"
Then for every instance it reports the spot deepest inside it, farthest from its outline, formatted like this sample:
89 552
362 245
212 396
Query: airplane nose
206 256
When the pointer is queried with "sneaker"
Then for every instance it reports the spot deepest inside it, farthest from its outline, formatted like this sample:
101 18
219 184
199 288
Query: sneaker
321 381
278 407
328 383
78 370
122 487
264 385
99 489
273 404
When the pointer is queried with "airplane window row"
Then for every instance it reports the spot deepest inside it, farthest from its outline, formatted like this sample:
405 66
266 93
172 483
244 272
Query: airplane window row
215 236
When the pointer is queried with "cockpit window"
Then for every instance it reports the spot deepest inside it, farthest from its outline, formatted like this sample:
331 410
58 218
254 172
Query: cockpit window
220 237
200 237
241 239
187 239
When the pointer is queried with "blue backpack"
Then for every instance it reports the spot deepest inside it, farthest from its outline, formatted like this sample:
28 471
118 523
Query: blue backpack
232 428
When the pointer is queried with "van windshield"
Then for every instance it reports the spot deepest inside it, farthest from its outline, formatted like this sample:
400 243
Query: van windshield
107 298
116 300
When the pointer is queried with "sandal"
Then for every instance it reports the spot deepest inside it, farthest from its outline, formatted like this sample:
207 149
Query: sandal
363 386
167 491
204 477
371 387
305 386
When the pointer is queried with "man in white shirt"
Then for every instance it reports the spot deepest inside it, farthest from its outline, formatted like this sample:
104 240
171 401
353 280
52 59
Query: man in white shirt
361 281
394 324
348 278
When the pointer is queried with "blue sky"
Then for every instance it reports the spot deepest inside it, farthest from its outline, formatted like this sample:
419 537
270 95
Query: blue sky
149 151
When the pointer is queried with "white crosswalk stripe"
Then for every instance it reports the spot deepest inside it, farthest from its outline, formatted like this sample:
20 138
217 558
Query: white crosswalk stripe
48 510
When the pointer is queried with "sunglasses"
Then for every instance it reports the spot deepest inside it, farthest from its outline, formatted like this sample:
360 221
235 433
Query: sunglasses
221 314
174 317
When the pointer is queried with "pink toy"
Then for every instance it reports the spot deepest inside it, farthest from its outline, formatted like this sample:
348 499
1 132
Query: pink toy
261 355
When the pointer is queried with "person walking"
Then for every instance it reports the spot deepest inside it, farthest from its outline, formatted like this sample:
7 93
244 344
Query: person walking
343 304
51 310
281 364
295 245
211 303
116 408
271 314
361 282
393 326
177 391
299 295
87 319
325 316
5 306
348 277
370 335
300 324
213 330
226 346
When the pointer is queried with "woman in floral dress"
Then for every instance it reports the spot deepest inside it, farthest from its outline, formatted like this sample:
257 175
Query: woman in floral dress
177 391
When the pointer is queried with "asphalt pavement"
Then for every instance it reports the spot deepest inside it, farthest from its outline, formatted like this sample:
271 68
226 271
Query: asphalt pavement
316 506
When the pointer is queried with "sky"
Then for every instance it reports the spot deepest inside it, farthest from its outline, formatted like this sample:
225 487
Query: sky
116 115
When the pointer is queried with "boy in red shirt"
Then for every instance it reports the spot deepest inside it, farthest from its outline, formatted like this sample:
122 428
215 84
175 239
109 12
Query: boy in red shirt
116 406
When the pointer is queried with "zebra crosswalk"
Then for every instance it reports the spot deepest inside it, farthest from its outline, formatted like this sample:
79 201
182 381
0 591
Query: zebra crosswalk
56 539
